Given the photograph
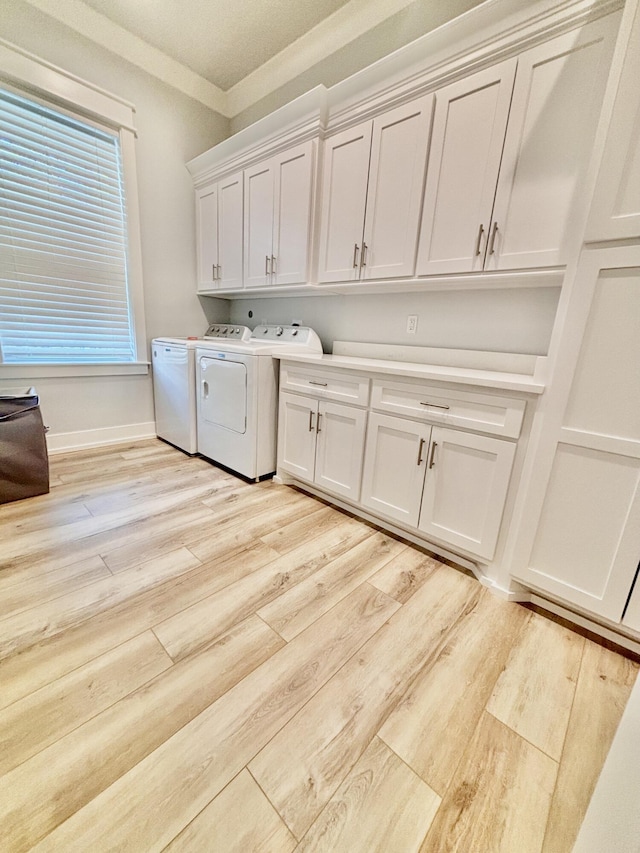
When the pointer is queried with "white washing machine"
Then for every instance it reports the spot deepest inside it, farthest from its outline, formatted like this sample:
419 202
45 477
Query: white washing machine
174 382
236 397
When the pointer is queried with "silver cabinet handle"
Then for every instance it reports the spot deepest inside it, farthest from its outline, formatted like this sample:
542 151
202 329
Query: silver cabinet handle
479 240
432 405
273 265
318 422
432 458
266 264
219 272
311 427
313 382
363 258
356 249
492 240
420 449
213 272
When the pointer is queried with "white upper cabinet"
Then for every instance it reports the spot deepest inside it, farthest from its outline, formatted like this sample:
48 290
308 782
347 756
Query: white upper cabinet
344 196
466 147
615 210
372 194
277 216
556 104
219 234
507 158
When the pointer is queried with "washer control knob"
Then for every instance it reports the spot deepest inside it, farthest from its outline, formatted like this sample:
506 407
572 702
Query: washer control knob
294 333
279 331
224 330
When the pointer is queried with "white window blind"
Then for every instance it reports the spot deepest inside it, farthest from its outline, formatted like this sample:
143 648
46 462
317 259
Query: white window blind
63 240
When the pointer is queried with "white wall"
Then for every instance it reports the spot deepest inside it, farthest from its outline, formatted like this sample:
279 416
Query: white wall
512 320
172 129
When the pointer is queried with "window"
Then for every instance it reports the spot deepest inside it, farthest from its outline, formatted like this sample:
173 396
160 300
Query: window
70 282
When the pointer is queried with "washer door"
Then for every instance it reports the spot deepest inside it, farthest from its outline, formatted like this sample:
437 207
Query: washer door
223 393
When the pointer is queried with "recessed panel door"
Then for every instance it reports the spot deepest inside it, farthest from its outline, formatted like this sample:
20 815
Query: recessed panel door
394 197
340 443
344 195
292 215
207 226
394 466
223 393
258 224
230 231
297 435
468 134
465 489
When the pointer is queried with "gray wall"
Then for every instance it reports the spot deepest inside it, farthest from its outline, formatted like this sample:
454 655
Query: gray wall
172 128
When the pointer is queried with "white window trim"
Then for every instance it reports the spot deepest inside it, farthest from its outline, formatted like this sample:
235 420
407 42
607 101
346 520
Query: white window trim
30 74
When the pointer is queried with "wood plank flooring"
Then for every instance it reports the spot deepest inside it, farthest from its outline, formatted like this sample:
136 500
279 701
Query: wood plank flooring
189 662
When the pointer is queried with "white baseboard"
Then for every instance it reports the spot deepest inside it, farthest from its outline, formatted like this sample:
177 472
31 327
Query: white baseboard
62 442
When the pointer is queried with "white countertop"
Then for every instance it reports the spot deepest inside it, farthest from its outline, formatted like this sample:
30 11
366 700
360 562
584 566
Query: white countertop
442 373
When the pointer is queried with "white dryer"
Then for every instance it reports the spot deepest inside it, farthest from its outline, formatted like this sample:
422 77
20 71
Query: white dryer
236 397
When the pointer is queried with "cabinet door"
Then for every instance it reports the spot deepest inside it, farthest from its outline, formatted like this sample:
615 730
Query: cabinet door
297 435
230 231
615 209
292 214
207 236
258 224
556 103
465 489
394 467
344 193
340 448
468 135
394 196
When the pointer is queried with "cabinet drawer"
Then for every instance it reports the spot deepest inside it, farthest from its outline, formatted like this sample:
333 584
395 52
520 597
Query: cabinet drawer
327 384
481 412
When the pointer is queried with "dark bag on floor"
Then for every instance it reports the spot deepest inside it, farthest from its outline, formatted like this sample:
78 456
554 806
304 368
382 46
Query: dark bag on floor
24 463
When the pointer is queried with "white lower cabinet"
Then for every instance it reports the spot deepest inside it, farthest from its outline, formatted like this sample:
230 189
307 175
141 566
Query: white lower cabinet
322 442
445 484
451 485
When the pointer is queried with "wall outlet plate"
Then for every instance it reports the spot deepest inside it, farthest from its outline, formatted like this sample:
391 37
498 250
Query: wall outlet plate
412 324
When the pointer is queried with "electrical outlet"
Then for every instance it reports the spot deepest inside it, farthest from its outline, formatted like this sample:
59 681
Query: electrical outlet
412 324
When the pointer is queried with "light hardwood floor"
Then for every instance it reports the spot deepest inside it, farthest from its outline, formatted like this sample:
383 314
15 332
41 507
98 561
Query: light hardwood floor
193 663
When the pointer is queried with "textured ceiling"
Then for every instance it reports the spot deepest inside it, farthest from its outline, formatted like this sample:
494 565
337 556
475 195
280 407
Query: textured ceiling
221 40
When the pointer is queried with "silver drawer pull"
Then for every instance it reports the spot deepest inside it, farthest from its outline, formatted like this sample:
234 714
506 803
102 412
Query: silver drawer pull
420 449
311 427
433 405
313 382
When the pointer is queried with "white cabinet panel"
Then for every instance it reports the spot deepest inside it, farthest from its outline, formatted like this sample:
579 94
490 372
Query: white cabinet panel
468 135
615 210
230 231
344 193
556 103
207 236
605 394
258 224
293 173
394 467
340 445
296 435
465 489
588 539
341 385
394 195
